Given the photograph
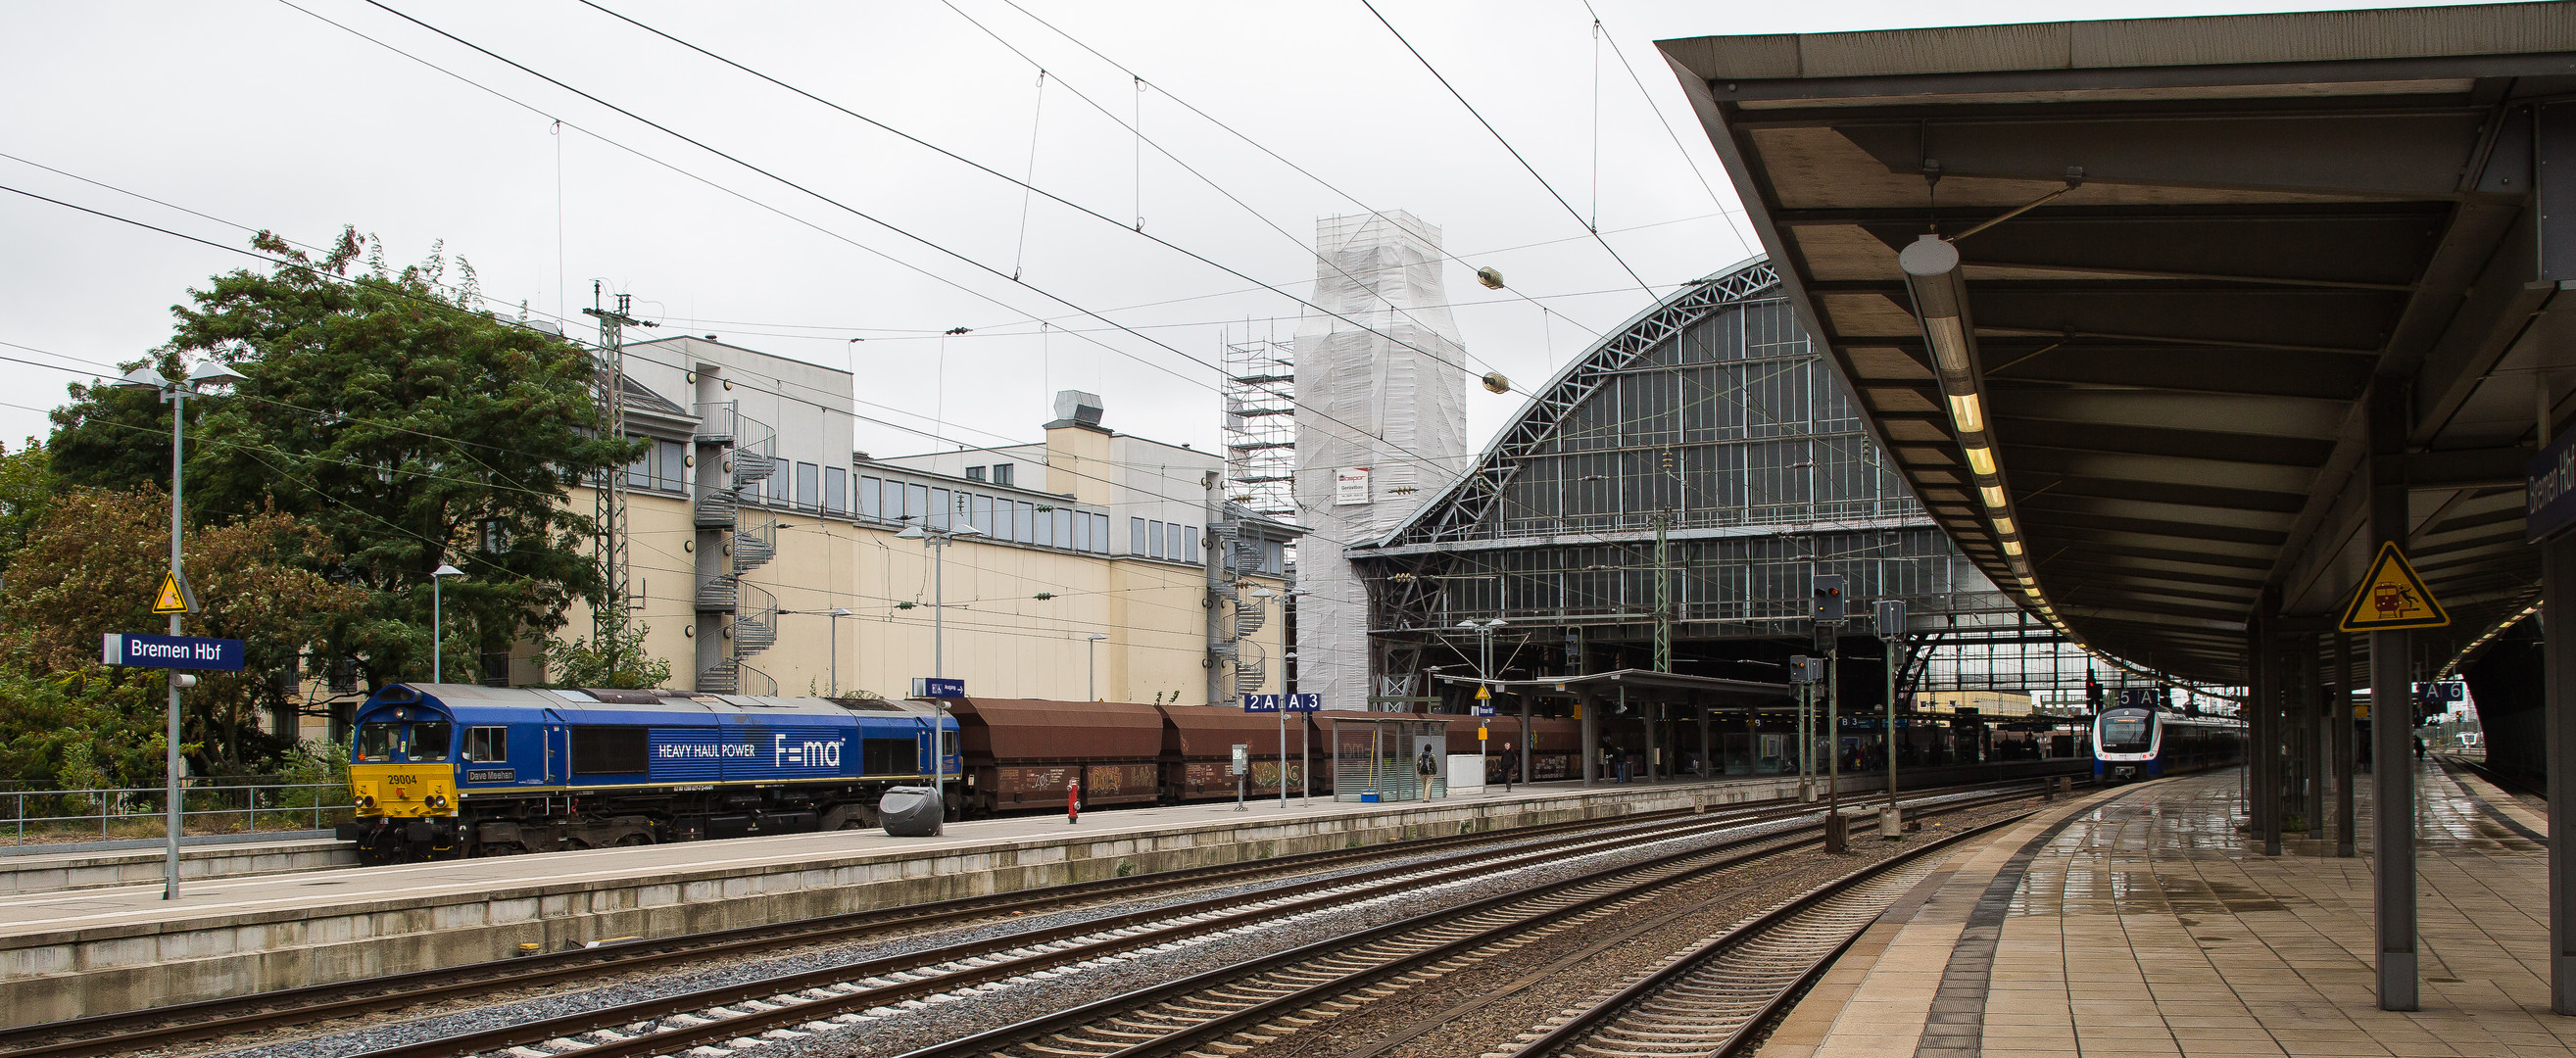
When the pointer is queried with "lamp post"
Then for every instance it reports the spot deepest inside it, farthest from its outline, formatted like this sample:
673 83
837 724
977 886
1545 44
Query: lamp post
1091 646
175 394
835 613
937 540
438 625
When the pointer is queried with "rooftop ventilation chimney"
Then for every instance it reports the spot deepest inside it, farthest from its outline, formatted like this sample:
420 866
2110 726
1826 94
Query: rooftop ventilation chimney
1077 408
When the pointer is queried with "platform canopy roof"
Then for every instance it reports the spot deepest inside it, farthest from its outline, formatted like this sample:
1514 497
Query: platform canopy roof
2235 231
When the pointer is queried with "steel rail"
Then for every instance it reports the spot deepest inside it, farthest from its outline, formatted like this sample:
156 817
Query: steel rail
123 1032
1209 1007
1739 999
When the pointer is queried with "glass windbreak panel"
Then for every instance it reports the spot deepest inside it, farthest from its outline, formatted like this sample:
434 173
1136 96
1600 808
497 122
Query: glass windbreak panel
376 741
430 742
487 745
2124 733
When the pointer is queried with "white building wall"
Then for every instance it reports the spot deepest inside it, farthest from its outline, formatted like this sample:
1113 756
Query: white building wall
1381 390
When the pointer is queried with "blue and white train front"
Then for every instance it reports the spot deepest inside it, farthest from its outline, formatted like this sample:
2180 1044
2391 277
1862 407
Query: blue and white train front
2126 744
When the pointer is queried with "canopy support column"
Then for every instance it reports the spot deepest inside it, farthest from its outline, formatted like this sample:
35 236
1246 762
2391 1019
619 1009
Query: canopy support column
2392 710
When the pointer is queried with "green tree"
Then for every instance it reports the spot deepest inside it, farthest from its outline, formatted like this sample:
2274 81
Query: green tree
27 484
92 566
393 414
582 663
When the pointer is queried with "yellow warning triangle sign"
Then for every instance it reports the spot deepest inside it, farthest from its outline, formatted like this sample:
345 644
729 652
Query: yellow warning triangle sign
1483 694
170 599
2392 597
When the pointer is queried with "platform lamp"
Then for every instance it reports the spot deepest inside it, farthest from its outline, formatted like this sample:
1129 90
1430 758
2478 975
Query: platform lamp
438 626
210 373
937 539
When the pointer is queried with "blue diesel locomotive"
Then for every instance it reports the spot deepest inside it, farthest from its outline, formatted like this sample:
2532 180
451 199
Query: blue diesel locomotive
2147 743
443 770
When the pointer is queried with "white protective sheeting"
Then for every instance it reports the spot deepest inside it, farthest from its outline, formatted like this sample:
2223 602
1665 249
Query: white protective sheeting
1382 388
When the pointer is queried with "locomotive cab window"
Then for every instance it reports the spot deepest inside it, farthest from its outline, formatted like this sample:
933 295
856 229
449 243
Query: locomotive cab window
487 745
429 742
376 741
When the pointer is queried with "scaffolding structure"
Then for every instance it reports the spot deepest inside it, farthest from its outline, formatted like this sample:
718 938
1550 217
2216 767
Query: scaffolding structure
1261 426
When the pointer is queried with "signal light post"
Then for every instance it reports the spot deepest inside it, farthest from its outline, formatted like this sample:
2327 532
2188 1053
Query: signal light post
1829 617
1891 630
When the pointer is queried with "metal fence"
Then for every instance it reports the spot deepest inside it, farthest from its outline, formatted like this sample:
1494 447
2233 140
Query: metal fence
142 813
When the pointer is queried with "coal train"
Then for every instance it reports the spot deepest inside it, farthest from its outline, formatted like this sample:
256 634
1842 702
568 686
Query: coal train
442 771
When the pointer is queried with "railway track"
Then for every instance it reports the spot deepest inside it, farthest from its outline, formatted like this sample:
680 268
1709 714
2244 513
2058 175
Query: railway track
1712 999
126 1033
1258 1002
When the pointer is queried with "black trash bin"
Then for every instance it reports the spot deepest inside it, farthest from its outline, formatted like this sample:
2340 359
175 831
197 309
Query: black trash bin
910 811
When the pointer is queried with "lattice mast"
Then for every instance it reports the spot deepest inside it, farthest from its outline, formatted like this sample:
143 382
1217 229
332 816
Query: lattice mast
1261 426
608 619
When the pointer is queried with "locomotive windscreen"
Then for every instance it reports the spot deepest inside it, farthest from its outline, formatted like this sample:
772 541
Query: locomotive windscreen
608 751
2124 732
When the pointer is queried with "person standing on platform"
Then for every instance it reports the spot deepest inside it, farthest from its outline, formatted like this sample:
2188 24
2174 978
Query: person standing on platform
1511 767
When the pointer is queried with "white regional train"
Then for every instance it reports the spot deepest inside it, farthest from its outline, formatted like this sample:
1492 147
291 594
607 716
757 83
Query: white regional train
2133 743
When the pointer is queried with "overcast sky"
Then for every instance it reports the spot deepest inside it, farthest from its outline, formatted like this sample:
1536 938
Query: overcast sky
263 115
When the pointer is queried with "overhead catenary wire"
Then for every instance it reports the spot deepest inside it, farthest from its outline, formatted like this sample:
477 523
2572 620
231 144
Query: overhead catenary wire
1454 258
1507 146
997 174
880 222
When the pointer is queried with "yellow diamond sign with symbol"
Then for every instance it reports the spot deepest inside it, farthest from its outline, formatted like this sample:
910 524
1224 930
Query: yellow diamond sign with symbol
2392 597
172 598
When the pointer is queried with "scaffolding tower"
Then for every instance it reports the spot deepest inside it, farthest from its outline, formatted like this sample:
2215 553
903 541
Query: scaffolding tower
1261 426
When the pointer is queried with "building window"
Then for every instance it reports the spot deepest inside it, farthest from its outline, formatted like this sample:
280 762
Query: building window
983 517
1024 523
1135 536
1002 473
1081 531
1064 527
916 501
1046 528
939 509
808 485
1154 539
974 473
836 490
869 506
1100 534
1172 539
673 473
1198 548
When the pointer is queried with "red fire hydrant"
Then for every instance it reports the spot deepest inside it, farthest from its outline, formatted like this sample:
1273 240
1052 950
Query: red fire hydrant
1073 802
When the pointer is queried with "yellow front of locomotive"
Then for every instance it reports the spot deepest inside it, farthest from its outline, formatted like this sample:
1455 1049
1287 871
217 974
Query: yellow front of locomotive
402 782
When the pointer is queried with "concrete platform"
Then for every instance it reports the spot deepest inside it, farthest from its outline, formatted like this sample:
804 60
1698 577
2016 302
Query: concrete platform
2139 921
74 953
98 865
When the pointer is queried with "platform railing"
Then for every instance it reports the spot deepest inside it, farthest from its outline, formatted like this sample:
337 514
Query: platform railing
48 816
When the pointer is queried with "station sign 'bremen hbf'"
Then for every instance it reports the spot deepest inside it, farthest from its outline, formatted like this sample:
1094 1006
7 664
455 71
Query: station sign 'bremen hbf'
171 652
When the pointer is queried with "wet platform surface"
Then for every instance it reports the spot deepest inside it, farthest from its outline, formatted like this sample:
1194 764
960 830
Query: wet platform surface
2141 922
